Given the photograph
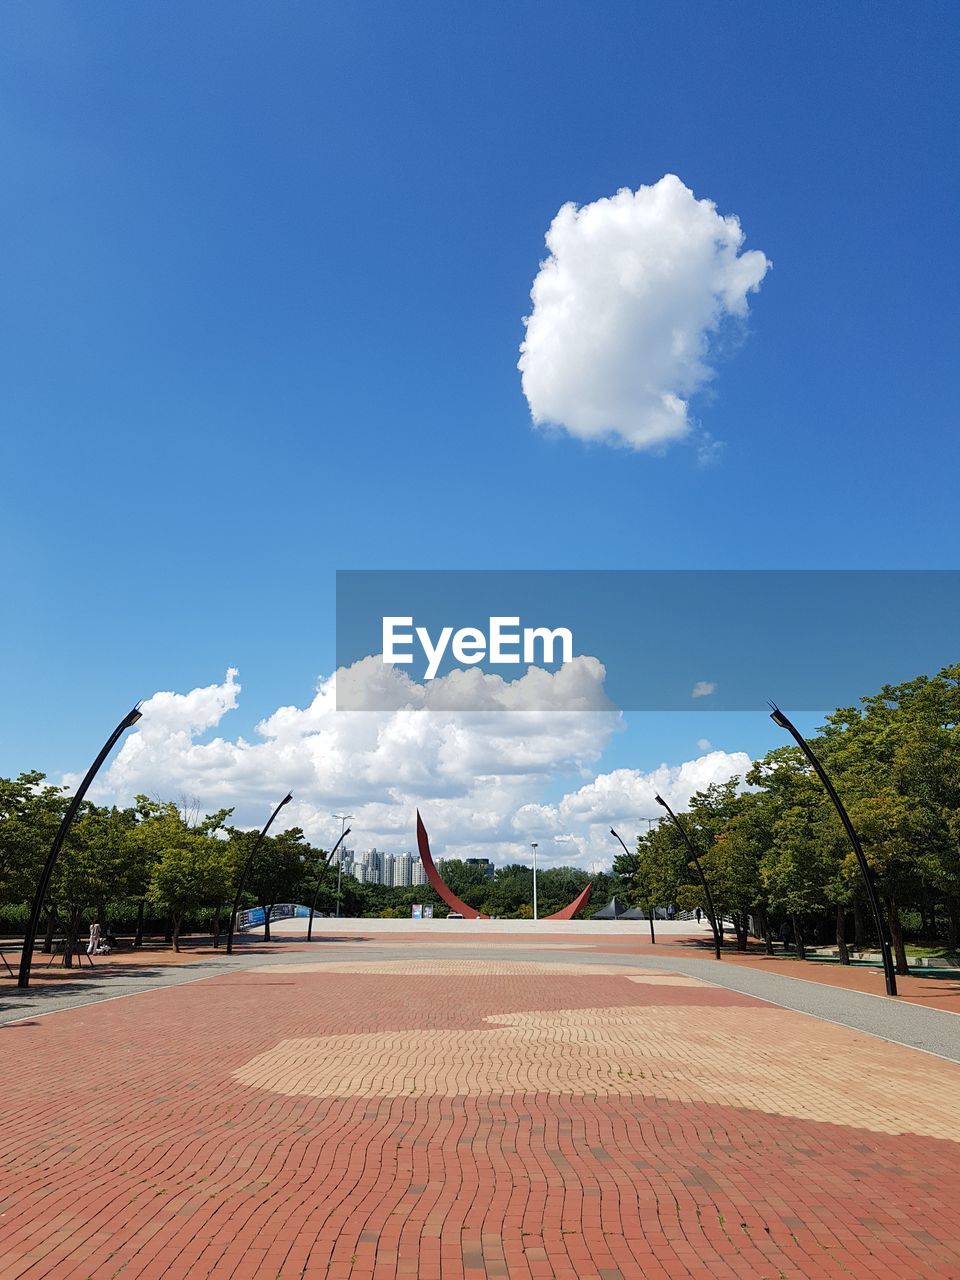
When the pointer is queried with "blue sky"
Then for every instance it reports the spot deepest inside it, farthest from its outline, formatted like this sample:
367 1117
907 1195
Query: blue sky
265 269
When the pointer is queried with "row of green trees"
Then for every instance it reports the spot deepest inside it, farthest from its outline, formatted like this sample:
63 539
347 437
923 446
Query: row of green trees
771 845
153 861
162 863
776 851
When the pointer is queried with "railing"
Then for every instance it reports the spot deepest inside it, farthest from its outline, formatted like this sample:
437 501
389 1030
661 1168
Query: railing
254 916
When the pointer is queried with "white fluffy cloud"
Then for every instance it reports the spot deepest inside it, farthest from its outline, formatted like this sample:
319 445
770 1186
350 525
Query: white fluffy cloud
624 799
626 309
479 777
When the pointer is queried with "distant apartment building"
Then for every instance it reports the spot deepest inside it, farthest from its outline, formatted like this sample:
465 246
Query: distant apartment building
373 866
372 861
347 863
402 870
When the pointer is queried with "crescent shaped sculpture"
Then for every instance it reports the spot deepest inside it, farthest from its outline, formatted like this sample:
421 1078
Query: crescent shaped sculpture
436 880
470 913
568 912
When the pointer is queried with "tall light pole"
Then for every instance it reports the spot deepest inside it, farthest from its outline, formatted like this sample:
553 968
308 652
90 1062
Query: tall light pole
30 937
703 879
343 819
533 846
889 972
653 936
246 867
320 880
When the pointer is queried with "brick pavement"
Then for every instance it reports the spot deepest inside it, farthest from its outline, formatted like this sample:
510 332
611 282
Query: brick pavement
457 1119
930 990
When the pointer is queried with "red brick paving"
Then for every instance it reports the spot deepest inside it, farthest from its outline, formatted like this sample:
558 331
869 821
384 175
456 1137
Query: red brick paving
130 1149
932 992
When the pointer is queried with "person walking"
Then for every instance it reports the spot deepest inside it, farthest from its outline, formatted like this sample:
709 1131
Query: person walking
699 913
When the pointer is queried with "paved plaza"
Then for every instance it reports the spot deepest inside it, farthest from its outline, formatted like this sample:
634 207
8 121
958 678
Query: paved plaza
444 1106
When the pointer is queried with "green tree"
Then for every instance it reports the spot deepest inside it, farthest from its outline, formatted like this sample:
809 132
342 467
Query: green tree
30 813
181 880
467 881
282 871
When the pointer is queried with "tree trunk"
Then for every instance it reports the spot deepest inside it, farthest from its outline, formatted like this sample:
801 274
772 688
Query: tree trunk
138 940
73 926
767 936
216 926
798 938
48 935
896 937
266 922
175 933
859 932
842 934
953 924
740 926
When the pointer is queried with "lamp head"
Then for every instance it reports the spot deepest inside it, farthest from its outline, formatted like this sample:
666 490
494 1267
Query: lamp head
135 715
777 716
286 799
660 801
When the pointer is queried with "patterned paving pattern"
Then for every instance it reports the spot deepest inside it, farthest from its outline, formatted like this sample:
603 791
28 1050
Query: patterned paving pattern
172 1135
655 1052
447 967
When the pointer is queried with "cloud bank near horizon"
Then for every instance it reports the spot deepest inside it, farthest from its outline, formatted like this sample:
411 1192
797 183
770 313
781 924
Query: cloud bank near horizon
626 311
479 777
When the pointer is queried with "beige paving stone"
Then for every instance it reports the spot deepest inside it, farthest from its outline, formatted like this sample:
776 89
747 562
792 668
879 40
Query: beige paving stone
763 1059
444 967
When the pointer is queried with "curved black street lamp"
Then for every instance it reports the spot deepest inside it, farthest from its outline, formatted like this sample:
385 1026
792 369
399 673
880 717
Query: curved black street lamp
889 973
26 957
653 936
246 867
703 879
320 879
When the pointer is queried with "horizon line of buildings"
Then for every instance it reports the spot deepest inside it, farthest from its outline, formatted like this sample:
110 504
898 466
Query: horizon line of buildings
396 870
373 866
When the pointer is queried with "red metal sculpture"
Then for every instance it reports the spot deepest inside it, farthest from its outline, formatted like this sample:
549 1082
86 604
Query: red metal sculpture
567 913
433 875
470 913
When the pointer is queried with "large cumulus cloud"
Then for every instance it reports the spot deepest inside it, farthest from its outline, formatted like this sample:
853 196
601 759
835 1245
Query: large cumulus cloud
626 309
479 776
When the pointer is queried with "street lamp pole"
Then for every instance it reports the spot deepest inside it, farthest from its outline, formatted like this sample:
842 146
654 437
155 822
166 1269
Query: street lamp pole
320 880
533 846
246 867
616 836
703 879
889 972
343 818
30 937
